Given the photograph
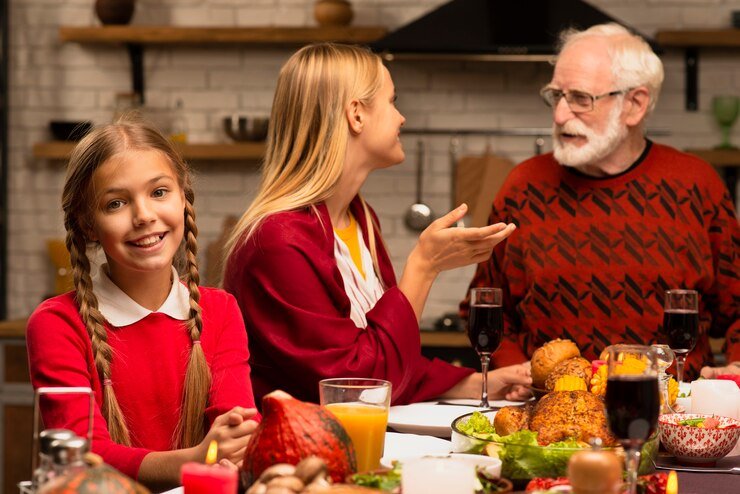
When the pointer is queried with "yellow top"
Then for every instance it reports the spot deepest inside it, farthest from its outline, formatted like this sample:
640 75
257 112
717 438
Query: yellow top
352 241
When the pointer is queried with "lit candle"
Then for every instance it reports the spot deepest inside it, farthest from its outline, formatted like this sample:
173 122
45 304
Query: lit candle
671 485
197 478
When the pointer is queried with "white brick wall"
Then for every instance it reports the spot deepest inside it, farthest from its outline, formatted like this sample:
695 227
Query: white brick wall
52 81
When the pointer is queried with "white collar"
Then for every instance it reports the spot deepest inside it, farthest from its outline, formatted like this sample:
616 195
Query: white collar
121 310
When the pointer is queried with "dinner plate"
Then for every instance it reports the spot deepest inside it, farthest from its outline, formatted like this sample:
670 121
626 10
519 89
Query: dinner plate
428 419
405 446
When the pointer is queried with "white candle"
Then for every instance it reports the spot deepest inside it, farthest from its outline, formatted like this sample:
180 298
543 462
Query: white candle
448 475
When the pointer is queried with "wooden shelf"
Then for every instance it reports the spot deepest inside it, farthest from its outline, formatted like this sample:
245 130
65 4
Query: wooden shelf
12 329
721 158
264 36
456 339
691 40
242 151
709 38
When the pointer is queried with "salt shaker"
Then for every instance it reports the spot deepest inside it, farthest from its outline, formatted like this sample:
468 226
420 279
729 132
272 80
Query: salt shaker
68 455
45 472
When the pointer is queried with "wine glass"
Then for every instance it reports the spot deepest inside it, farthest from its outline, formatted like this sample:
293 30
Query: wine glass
664 357
725 110
681 324
485 329
632 401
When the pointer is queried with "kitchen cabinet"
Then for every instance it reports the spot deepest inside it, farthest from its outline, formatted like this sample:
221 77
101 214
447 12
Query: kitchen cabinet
691 41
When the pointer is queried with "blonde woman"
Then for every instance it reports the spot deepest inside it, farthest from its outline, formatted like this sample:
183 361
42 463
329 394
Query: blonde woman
306 262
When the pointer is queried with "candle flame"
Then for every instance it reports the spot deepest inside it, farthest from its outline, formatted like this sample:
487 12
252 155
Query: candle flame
671 486
212 454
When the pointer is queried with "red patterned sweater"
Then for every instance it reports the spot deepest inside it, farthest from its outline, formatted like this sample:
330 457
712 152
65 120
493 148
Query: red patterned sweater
592 257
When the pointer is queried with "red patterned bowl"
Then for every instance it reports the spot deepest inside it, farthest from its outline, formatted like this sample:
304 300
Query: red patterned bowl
697 445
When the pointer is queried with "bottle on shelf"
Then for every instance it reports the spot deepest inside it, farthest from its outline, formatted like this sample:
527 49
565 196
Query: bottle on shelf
179 124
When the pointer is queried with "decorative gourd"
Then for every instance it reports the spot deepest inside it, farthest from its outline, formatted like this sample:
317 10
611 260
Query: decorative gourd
292 430
100 479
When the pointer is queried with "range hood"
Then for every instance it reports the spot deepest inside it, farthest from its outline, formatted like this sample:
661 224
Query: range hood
491 30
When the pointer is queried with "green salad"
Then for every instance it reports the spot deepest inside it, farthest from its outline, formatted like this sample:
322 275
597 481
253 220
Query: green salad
523 458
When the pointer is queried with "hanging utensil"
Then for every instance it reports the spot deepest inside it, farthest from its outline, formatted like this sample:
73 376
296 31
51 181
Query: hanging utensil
419 215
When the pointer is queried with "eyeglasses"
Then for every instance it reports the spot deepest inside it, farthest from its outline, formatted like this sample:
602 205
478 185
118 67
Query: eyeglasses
578 101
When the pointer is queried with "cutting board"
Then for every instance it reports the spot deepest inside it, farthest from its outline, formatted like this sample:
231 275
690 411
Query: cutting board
477 181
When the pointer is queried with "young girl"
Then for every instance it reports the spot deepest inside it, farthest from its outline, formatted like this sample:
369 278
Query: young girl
167 360
307 263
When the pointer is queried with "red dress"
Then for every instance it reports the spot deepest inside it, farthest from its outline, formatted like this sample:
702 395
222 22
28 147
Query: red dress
297 314
592 257
147 371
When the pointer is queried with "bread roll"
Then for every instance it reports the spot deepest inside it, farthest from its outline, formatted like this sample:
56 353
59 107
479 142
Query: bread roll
548 356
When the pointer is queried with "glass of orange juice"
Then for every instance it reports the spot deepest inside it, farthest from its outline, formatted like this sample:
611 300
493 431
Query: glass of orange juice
361 405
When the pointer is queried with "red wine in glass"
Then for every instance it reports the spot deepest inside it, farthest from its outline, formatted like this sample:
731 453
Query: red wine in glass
486 327
682 328
681 324
633 404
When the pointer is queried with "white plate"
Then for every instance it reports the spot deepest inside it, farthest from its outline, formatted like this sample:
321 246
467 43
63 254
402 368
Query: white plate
405 446
428 419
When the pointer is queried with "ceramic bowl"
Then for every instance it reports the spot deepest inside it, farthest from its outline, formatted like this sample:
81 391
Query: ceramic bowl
697 445
243 128
67 130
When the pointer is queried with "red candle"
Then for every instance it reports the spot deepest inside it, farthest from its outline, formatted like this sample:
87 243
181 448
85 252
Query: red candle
198 478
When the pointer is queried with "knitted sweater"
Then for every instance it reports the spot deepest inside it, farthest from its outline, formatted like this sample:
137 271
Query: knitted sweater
592 257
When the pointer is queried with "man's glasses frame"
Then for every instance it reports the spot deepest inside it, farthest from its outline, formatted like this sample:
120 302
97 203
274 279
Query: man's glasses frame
578 101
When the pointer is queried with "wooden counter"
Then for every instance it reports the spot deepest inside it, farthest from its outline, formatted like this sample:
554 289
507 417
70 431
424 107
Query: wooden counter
11 329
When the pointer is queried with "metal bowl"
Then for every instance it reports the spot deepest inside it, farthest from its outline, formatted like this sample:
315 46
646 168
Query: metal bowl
242 128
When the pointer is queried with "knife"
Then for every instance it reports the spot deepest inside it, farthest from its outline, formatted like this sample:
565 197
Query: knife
680 468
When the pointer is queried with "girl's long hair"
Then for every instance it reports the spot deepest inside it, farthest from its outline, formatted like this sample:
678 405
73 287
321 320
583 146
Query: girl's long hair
308 133
78 203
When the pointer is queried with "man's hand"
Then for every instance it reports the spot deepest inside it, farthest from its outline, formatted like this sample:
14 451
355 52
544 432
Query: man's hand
713 372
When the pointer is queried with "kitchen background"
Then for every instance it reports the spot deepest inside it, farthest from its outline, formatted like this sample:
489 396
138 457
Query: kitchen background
54 80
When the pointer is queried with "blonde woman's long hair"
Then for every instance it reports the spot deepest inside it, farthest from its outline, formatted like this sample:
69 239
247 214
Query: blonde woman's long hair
79 202
308 133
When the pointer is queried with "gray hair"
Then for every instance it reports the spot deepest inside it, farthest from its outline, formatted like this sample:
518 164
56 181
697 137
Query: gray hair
633 61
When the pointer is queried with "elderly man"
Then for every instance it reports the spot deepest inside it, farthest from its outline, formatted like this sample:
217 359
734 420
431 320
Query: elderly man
610 220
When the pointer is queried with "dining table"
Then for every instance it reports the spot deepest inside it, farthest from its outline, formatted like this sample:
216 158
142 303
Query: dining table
424 429
432 422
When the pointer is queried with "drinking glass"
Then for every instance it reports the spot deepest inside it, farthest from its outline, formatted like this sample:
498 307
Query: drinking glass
361 406
485 329
725 110
664 357
681 324
632 401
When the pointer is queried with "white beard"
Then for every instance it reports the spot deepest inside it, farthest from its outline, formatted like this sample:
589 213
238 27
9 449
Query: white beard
597 147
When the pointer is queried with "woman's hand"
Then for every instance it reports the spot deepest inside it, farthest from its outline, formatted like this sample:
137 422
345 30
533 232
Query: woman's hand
231 431
503 383
713 372
441 248
510 382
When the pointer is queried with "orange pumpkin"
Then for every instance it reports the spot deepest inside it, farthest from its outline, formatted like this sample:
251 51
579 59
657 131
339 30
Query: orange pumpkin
292 430
97 480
